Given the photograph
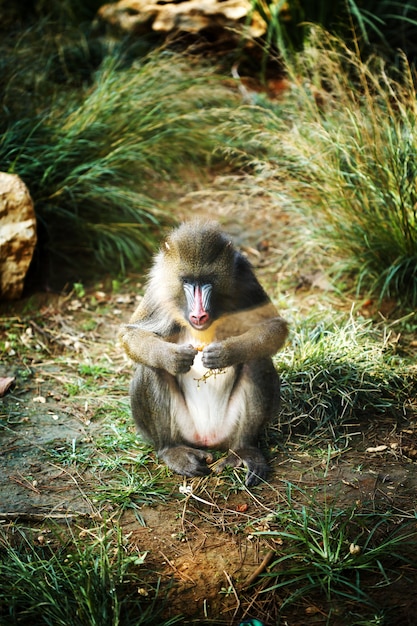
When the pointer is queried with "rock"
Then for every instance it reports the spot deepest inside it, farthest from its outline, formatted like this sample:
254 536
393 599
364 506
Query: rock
17 235
190 16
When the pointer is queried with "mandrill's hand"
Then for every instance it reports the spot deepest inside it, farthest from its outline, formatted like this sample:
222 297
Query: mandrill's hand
179 358
216 356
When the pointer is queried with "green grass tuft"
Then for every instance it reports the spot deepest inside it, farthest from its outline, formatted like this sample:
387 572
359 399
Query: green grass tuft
337 373
341 554
90 582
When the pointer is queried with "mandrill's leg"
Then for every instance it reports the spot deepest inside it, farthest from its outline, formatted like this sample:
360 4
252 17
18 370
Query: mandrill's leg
256 400
154 394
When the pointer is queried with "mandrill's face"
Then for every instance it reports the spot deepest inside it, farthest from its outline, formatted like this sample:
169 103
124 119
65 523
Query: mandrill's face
198 297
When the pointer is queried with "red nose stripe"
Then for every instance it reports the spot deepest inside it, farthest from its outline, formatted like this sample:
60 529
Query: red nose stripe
198 315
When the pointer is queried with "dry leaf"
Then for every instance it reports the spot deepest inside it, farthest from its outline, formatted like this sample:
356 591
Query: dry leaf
40 399
5 384
377 449
354 549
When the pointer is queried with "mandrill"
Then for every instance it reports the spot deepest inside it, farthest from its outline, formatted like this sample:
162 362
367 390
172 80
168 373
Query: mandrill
202 338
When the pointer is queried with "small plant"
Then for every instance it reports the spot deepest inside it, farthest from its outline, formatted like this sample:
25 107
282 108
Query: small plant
79 290
120 435
343 554
93 371
74 389
133 488
71 453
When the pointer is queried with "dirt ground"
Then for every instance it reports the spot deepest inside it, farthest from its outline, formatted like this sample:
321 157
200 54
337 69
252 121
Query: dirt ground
201 543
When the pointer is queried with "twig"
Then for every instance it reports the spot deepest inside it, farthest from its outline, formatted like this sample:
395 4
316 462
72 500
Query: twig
187 490
40 330
24 482
229 580
40 517
84 495
260 569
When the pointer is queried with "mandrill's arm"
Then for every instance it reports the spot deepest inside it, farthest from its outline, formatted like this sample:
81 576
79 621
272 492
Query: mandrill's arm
149 339
246 336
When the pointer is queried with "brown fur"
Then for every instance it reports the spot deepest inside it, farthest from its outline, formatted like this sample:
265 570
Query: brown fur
245 330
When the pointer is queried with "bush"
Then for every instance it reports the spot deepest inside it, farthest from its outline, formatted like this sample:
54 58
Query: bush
348 146
93 158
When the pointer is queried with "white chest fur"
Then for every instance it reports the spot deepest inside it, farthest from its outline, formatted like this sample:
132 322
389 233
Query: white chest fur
209 414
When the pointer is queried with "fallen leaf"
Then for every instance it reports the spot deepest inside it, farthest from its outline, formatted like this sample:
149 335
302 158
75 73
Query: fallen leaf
40 399
355 549
5 384
411 453
312 610
377 449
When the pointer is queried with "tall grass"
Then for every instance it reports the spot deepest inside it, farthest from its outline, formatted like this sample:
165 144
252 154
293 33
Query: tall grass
379 24
346 139
90 582
93 157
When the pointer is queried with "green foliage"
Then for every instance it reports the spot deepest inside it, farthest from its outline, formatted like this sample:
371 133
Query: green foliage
348 145
79 290
93 156
83 583
337 372
94 371
336 552
383 25
131 489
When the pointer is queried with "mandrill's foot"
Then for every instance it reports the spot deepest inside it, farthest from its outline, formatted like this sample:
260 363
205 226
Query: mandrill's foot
186 461
252 458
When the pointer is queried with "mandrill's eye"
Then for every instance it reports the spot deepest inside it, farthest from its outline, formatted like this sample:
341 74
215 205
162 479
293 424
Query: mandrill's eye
187 282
